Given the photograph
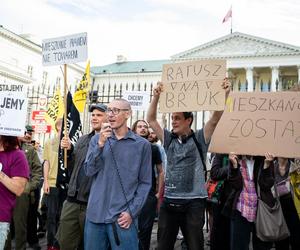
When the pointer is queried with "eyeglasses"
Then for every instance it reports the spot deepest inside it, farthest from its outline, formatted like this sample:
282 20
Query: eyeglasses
115 111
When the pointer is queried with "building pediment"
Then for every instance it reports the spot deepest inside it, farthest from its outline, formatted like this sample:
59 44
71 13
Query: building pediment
238 45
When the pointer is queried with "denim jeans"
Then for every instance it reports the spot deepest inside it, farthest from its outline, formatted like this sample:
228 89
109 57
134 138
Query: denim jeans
190 221
4 229
99 236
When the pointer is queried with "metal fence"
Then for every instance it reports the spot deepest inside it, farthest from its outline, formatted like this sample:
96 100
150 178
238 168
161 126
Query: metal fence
104 93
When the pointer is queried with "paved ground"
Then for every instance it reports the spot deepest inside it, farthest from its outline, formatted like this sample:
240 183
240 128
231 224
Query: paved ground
43 241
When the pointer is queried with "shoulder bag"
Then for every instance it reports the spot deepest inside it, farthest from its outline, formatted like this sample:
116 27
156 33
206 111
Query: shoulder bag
270 224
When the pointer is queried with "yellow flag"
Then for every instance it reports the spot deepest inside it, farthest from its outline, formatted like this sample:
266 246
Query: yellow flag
82 90
55 108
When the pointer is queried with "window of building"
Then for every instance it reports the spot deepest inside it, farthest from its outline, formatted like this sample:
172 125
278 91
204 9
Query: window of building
288 82
58 81
265 86
242 86
45 78
30 70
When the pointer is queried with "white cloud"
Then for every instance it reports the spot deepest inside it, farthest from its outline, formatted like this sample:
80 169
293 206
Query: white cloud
87 7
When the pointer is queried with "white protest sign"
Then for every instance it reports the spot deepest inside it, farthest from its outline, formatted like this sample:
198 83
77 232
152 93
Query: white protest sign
13 109
138 100
64 50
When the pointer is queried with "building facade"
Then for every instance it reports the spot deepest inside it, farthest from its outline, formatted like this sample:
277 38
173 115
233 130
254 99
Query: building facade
253 64
21 63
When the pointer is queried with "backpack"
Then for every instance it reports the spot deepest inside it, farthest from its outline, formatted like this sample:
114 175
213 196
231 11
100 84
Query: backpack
215 188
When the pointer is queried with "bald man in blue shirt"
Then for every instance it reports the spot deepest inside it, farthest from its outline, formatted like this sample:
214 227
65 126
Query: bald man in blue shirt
120 162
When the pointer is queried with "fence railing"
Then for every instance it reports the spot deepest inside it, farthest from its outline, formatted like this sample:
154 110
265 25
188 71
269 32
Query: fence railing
104 93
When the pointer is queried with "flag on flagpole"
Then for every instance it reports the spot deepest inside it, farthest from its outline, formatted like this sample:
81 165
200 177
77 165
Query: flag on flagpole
82 89
55 108
74 129
228 15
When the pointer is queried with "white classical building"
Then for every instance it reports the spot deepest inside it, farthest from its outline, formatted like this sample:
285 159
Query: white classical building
253 64
21 62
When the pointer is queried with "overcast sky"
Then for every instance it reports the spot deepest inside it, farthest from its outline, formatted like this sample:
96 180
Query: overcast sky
150 29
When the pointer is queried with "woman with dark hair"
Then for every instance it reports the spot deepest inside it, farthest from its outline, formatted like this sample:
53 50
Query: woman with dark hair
14 173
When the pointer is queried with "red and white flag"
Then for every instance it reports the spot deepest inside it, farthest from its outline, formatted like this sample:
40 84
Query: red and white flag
228 15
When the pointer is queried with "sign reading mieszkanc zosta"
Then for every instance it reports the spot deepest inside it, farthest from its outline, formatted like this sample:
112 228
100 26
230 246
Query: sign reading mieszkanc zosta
64 50
193 86
254 123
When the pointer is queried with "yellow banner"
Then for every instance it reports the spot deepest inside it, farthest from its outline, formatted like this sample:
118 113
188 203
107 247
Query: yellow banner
55 108
82 90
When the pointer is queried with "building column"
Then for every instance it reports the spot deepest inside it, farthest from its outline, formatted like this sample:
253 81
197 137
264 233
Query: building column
249 77
275 77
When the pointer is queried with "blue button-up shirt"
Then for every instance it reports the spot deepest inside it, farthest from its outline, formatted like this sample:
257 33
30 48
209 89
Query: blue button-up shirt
132 155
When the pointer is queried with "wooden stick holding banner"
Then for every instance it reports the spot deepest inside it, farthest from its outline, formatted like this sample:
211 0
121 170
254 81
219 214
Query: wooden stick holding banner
65 113
65 50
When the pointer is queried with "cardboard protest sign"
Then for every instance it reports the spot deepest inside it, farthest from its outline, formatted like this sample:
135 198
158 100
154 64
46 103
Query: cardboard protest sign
13 109
255 123
64 50
193 86
138 100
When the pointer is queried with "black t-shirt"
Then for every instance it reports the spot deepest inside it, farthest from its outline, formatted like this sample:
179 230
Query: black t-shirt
156 159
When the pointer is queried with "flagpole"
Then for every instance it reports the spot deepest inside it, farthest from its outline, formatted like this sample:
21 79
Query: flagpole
231 21
65 113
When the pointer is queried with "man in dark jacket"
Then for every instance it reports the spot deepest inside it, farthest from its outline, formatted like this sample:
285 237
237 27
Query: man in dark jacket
71 227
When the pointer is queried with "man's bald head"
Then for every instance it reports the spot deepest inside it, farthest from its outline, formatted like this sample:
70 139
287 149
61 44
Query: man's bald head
124 104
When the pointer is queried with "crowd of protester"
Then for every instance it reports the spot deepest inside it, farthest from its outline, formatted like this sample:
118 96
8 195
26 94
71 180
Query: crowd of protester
121 179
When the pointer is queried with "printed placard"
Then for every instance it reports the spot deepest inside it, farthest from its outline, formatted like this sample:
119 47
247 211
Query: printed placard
13 109
138 100
64 50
